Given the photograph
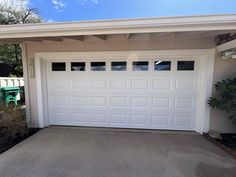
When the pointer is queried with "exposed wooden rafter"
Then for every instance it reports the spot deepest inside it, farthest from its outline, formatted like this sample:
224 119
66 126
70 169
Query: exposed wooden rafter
32 40
74 38
127 36
227 46
51 39
101 37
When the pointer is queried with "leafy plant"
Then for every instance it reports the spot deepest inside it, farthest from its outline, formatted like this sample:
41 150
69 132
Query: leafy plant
15 12
226 98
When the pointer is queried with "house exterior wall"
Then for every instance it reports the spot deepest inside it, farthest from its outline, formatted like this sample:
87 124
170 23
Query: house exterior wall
223 68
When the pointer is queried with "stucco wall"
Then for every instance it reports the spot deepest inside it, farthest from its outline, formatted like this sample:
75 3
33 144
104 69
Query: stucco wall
223 68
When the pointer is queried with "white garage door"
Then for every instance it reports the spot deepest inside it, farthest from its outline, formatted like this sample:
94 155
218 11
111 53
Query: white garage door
150 94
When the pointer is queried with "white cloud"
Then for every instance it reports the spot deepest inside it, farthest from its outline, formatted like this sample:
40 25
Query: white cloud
83 2
58 4
50 20
95 1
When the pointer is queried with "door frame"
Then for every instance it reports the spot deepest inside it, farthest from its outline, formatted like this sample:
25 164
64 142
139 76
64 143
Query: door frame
206 69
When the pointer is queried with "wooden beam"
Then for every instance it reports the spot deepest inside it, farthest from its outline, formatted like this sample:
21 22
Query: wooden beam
215 33
51 39
227 46
11 41
101 37
32 40
192 34
165 35
74 38
127 36
160 35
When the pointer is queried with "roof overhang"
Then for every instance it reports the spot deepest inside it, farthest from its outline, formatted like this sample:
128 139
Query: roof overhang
128 26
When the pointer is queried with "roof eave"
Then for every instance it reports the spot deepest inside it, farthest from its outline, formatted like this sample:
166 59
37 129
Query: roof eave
152 25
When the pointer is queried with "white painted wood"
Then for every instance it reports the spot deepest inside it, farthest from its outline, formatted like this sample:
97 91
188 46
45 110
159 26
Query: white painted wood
128 99
227 46
26 84
11 81
40 95
126 26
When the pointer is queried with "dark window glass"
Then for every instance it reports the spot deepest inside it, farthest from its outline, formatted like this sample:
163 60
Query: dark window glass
98 66
58 66
140 66
77 66
119 66
185 65
162 65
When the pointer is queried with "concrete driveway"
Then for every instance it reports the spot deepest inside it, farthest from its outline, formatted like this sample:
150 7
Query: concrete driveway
74 152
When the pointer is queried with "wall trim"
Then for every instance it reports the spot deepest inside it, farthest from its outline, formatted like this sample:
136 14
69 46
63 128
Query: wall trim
26 84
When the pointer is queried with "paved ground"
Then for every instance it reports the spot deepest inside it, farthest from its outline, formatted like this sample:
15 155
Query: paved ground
73 152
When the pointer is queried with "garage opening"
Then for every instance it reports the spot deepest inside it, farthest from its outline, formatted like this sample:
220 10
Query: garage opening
157 93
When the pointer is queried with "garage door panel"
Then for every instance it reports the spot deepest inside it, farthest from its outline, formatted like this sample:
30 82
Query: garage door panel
159 84
117 118
98 84
60 116
59 109
139 102
184 84
79 101
118 84
118 101
139 120
129 99
183 103
79 117
78 84
183 120
139 84
98 101
60 100
161 102
160 120
98 118
58 84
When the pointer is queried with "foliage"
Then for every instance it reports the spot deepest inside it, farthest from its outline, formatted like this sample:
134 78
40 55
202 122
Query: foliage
15 12
11 53
13 127
12 121
226 98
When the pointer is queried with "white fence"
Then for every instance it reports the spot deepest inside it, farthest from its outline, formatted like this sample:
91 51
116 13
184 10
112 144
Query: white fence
11 81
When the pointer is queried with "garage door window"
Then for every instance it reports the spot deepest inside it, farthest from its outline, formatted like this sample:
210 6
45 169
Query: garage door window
140 66
185 65
162 65
77 66
58 66
98 66
119 66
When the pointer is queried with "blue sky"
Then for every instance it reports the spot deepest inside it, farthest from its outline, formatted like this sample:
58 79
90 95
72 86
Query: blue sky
77 10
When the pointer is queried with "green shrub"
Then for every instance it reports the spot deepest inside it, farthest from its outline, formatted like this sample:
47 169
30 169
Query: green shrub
226 98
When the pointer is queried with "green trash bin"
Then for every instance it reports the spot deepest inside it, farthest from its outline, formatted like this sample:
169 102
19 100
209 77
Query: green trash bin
9 94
